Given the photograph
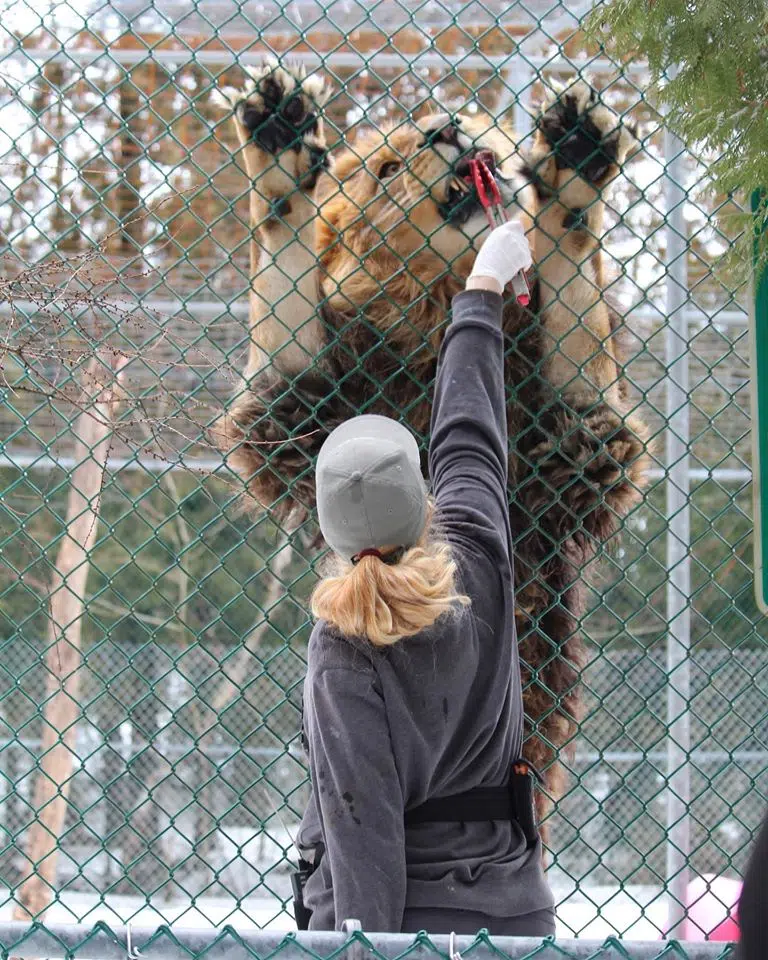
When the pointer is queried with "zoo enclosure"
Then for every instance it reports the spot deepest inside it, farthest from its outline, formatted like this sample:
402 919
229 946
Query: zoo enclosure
181 769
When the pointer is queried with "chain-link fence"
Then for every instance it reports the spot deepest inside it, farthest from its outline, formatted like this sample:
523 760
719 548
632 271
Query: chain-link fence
105 942
153 634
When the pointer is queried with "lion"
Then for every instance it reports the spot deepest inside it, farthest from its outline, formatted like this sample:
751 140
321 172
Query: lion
355 257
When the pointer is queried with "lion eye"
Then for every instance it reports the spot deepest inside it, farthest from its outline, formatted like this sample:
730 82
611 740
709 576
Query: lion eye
389 168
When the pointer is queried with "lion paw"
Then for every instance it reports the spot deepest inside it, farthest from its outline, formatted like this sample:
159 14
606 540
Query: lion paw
577 133
279 112
588 473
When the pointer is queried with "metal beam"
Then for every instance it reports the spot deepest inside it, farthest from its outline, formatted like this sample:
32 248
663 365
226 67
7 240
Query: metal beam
678 538
238 309
214 751
349 59
112 943
30 460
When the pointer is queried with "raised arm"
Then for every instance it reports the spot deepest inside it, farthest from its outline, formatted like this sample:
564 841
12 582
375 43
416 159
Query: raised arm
468 447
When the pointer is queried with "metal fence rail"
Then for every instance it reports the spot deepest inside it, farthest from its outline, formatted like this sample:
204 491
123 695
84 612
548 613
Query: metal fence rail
116 943
150 769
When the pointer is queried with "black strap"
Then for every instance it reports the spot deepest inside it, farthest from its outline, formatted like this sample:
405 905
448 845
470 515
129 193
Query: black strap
512 802
483 803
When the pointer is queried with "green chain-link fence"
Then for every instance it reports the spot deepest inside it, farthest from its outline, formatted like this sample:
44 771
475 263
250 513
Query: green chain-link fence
106 942
152 635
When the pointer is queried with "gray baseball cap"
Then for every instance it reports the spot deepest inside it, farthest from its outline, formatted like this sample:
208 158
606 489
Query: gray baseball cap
370 491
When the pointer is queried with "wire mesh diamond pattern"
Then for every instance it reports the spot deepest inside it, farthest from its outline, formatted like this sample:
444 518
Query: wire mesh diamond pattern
153 633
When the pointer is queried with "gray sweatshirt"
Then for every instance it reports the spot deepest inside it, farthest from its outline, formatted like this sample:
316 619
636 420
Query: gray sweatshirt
438 713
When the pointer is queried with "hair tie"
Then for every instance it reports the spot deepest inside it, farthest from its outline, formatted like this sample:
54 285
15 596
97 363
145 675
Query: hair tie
388 558
370 552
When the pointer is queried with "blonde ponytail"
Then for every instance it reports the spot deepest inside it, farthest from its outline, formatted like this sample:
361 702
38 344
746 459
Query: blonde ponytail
383 602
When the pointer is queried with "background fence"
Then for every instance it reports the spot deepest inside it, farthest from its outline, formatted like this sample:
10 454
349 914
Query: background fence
124 231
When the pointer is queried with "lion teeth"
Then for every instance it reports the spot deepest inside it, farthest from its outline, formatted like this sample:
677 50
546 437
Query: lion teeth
460 185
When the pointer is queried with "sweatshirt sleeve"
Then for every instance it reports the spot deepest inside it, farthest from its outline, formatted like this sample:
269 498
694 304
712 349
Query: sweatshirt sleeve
468 450
360 797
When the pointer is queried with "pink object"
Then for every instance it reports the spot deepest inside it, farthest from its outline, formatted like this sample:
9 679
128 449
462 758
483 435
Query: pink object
712 909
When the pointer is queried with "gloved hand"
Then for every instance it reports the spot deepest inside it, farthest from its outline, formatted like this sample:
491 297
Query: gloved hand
504 254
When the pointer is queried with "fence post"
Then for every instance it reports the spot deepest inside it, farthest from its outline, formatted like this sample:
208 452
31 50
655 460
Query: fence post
517 78
678 564
523 89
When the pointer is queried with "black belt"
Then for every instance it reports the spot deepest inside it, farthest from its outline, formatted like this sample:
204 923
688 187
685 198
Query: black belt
511 802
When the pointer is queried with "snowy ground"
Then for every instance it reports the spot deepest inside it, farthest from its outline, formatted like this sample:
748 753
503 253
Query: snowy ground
637 913
584 910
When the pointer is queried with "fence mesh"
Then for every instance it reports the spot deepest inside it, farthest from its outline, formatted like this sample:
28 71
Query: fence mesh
152 634
110 943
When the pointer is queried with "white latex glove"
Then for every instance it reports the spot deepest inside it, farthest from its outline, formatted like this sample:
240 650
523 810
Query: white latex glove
504 254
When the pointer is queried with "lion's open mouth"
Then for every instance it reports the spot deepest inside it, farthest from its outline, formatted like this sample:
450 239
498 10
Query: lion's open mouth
461 200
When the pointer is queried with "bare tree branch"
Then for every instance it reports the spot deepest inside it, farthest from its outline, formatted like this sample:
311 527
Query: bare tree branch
63 660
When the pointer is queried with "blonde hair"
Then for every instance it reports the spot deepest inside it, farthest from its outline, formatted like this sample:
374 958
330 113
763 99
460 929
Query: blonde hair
384 602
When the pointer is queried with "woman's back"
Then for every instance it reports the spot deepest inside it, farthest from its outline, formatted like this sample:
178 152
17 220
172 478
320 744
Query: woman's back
435 714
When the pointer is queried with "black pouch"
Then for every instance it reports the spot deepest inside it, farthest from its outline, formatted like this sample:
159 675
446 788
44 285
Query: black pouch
298 882
521 784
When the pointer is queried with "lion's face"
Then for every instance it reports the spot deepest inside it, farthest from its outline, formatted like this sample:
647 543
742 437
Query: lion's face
404 195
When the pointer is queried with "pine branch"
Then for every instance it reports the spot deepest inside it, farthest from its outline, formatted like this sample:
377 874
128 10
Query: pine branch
709 68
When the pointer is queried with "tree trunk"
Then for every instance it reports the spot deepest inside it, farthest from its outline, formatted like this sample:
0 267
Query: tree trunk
129 186
92 428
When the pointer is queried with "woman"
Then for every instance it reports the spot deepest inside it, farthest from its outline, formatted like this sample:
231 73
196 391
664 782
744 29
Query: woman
413 690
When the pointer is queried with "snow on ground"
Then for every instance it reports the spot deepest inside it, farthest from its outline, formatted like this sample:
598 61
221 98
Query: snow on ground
636 913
